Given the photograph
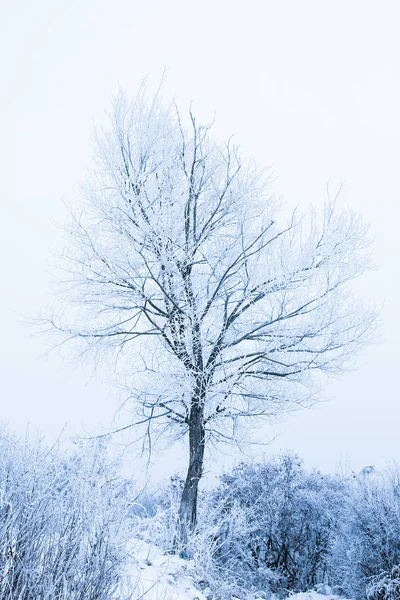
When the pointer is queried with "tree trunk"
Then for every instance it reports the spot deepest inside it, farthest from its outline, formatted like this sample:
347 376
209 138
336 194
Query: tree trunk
188 505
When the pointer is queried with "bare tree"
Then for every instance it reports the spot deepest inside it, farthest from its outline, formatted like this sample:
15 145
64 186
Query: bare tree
178 263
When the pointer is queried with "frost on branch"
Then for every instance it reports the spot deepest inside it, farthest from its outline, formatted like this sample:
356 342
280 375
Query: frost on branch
217 309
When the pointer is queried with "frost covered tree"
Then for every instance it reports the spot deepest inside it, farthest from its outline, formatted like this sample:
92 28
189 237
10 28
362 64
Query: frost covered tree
220 312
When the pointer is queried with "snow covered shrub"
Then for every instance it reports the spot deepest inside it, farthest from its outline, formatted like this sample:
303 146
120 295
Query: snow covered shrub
276 525
367 546
385 586
217 550
61 523
155 514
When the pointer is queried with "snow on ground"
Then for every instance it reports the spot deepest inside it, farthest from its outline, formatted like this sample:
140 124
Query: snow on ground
159 576
314 596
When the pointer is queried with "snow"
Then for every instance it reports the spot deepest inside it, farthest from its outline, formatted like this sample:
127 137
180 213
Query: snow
160 576
314 596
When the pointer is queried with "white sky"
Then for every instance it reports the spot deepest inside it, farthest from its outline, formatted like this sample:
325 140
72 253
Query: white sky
311 88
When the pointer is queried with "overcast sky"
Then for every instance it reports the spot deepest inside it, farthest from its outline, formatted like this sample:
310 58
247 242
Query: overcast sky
311 88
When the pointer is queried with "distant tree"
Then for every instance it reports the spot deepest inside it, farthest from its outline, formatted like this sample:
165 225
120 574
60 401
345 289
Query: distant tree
178 263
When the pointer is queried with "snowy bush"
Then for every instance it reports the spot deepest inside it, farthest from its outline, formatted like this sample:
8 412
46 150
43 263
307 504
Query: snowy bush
385 586
61 523
367 548
154 515
278 524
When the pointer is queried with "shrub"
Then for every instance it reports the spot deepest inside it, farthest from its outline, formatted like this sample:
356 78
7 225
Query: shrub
367 546
385 586
280 524
61 523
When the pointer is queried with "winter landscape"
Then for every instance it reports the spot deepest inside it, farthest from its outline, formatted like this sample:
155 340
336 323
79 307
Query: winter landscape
199 301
